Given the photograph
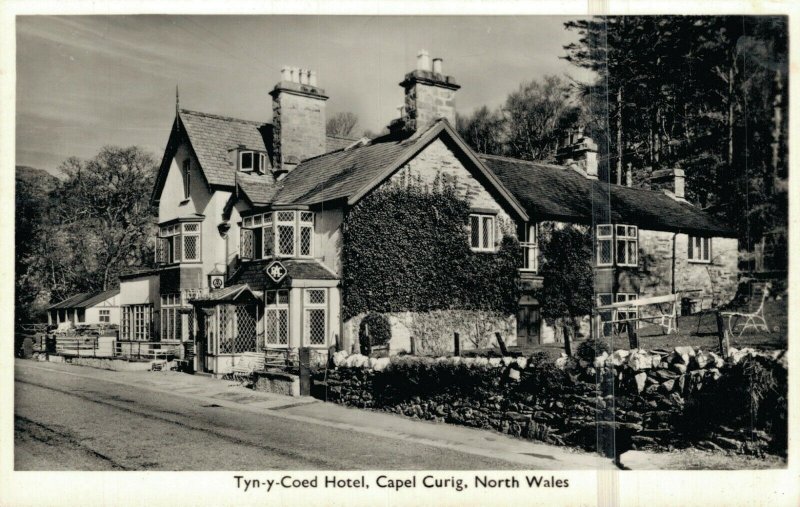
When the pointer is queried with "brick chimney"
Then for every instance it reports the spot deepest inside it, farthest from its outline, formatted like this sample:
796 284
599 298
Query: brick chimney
579 152
430 95
671 181
298 118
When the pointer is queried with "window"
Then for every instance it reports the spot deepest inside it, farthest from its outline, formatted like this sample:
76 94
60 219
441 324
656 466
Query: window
81 313
186 173
171 319
252 161
105 316
530 249
481 232
315 321
178 243
276 317
617 244
246 160
611 318
136 322
699 249
280 233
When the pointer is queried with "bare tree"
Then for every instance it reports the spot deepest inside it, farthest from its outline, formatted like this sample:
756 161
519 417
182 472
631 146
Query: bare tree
341 124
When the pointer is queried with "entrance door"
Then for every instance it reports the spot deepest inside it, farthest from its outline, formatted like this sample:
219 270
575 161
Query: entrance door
201 343
529 322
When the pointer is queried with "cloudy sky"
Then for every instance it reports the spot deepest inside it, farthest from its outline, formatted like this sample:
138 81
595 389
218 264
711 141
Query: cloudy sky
85 82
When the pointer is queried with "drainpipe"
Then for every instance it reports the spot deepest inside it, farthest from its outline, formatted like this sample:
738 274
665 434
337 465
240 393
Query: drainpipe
674 240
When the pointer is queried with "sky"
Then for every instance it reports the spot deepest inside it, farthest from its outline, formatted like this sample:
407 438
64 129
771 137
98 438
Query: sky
88 81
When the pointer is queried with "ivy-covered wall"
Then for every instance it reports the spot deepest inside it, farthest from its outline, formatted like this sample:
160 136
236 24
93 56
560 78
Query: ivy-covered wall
406 249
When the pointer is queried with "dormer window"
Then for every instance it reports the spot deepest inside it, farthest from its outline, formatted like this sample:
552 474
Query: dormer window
252 161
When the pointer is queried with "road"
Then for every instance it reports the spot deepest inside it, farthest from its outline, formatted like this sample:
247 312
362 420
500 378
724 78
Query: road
66 421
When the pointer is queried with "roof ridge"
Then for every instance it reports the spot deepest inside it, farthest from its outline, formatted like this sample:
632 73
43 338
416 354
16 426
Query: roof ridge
529 162
221 117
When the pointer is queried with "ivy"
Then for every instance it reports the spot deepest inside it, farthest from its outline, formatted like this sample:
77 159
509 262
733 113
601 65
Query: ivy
407 249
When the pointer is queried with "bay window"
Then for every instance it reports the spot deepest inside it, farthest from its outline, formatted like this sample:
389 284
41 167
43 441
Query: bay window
481 232
178 242
699 249
277 234
610 319
617 244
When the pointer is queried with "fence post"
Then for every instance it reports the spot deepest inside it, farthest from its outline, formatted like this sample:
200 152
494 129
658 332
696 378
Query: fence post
304 356
412 346
501 343
724 342
78 345
456 344
633 339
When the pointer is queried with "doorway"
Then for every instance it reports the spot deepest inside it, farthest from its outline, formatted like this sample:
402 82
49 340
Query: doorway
529 324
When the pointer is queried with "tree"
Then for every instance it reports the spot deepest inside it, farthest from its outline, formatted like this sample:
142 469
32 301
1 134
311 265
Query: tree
568 278
341 124
704 94
536 116
482 130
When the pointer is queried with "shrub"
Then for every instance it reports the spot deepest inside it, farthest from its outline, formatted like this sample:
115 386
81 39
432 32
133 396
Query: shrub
374 330
592 348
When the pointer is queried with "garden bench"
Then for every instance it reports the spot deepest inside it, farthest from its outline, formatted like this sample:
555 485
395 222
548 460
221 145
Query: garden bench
756 319
246 364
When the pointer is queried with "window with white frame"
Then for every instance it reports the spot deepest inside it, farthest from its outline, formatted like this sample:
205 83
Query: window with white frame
530 249
481 232
178 242
136 322
186 174
276 317
617 244
105 316
171 319
611 318
286 233
699 249
315 316
252 161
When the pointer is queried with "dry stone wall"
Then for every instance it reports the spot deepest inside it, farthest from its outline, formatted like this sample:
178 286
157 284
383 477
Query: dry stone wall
648 399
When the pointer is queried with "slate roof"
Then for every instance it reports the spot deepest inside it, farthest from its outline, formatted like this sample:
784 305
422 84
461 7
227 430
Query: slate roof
341 173
230 293
554 192
351 173
260 189
212 135
84 300
253 273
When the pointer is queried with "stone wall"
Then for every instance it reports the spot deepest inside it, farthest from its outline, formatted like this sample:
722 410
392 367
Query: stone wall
438 163
476 330
648 399
717 280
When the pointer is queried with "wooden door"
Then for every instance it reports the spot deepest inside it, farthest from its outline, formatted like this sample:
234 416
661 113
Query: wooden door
528 325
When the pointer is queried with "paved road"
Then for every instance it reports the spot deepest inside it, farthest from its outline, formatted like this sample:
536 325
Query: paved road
70 422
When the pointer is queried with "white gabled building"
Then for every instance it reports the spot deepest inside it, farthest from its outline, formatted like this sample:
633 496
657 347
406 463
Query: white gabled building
90 308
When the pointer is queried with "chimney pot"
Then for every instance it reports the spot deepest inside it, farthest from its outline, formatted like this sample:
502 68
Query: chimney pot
312 78
423 61
303 76
286 74
437 65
